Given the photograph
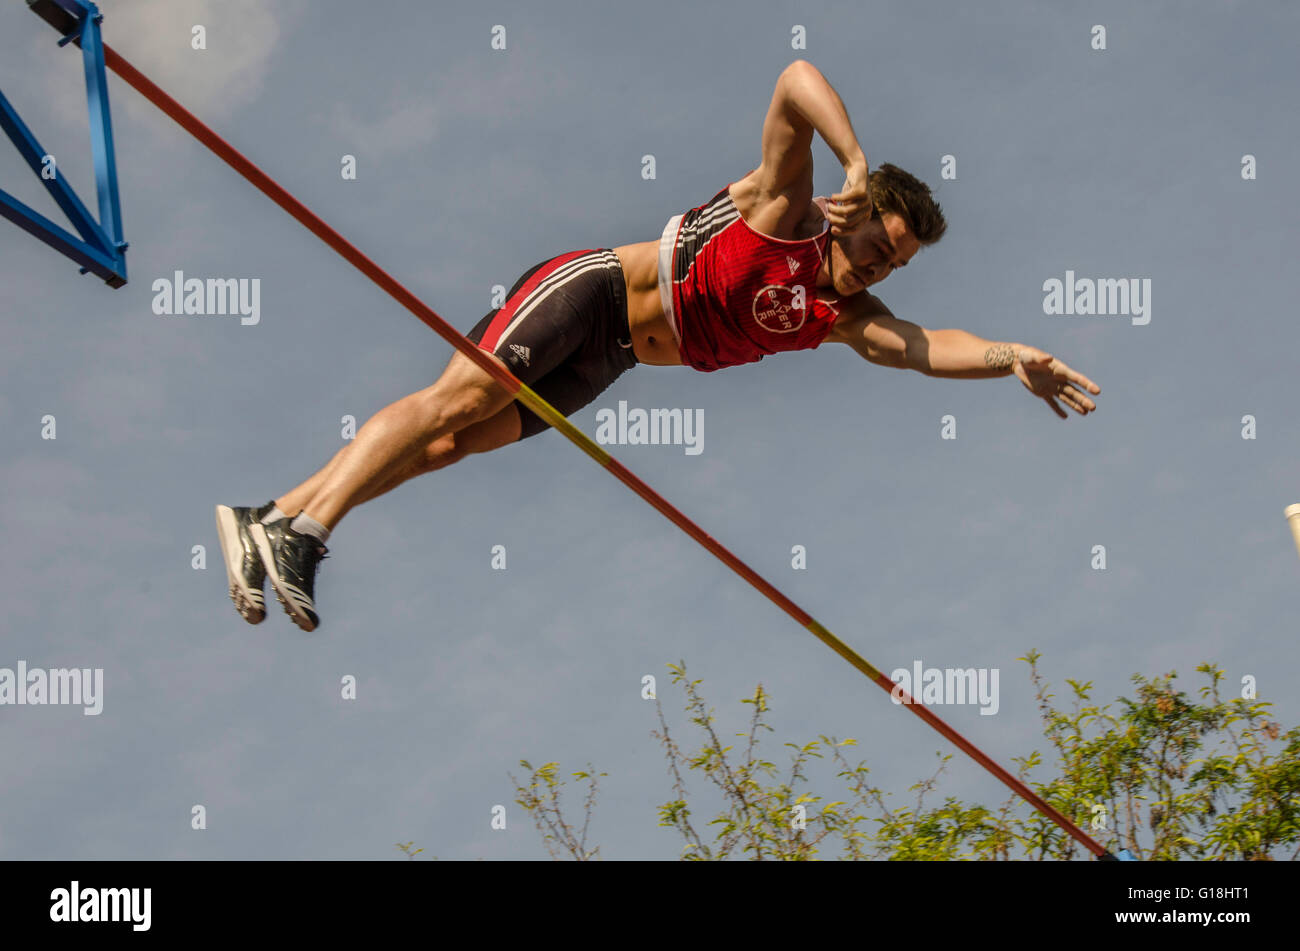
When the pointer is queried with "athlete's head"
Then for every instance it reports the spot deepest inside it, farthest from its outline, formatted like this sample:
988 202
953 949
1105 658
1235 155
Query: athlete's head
906 218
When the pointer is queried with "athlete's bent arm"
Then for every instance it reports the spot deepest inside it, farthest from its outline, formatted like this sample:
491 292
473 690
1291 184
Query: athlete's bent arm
803 103
882 338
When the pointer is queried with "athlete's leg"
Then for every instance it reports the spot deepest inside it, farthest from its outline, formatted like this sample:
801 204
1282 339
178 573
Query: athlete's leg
559 309
482 436
398 435
542 322
293 501
533 333
385 449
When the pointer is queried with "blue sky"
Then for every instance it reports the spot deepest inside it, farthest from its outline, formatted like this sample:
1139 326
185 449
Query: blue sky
475 164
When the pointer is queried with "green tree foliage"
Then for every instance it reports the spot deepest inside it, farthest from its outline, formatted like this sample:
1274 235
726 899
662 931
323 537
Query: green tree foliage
541 799
1163 774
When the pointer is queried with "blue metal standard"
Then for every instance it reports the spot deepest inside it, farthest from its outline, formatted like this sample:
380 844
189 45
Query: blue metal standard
100 249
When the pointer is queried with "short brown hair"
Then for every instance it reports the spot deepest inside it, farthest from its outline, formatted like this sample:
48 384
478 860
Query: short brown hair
894 190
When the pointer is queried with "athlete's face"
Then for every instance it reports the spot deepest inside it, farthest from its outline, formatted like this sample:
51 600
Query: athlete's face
870 254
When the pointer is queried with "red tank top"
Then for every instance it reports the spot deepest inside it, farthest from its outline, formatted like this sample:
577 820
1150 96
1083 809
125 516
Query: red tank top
737 295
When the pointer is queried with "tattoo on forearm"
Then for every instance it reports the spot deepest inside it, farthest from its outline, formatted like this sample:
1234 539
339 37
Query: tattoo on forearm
999 356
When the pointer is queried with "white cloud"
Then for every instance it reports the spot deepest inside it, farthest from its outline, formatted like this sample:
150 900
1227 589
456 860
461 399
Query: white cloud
242 35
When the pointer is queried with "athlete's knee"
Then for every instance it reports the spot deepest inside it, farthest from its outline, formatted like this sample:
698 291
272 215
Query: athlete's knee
464 395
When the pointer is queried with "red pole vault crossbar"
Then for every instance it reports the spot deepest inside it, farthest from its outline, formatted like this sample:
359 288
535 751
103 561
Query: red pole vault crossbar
525 395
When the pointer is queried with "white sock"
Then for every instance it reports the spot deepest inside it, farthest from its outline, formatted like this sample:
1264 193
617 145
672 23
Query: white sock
273 516
304 524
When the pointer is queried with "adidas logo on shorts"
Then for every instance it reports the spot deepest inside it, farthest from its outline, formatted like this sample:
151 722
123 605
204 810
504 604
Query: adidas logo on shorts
521 352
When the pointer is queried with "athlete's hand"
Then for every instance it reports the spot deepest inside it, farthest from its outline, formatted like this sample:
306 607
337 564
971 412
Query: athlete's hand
1051 380
851 207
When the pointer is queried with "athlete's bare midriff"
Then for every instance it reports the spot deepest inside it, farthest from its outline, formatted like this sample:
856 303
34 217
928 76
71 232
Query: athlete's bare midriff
653 340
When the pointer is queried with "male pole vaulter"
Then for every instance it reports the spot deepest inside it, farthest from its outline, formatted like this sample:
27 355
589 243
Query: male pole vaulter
763 266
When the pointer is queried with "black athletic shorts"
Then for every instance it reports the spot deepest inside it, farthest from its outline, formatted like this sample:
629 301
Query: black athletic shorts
563 330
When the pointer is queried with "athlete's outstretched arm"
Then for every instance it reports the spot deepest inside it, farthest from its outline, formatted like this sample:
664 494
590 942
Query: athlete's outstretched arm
882 338
804 103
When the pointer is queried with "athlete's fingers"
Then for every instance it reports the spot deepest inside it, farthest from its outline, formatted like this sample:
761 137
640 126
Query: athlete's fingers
846 217
1076 377
1079 397
852 190
838 210
841 221
1079 401
1056 408
1073 400
841 226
